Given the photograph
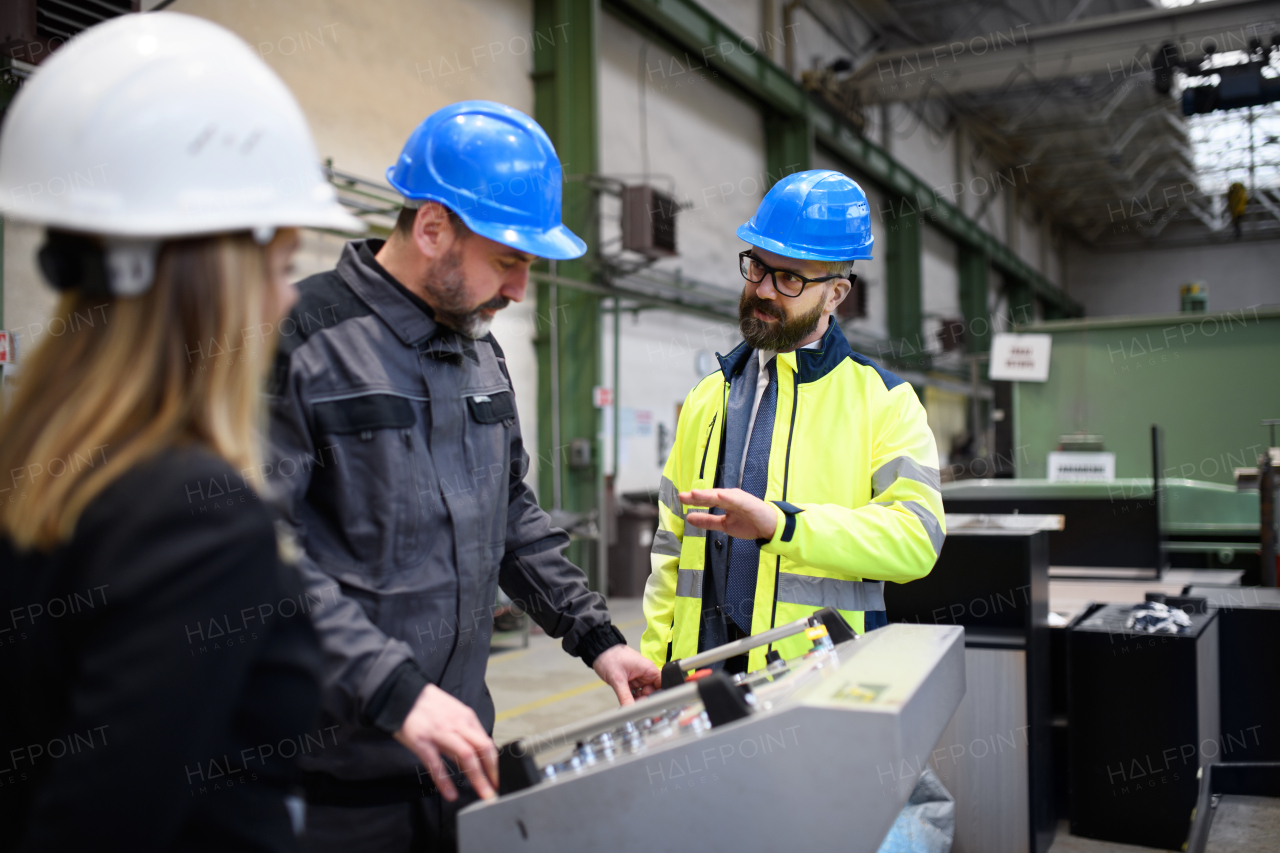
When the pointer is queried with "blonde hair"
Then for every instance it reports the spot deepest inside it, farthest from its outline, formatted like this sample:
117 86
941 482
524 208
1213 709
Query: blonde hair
182 363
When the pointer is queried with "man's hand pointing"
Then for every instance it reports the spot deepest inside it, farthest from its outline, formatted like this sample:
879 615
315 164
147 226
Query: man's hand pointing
745 515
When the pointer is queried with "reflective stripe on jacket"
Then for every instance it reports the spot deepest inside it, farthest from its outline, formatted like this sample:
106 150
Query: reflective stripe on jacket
853 472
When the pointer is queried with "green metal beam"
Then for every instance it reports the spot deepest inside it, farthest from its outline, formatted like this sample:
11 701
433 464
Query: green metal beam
904 293
1021 297
704 39
788 143
565 104
973 299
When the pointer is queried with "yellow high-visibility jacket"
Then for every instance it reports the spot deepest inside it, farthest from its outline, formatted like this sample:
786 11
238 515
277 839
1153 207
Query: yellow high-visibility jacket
853 476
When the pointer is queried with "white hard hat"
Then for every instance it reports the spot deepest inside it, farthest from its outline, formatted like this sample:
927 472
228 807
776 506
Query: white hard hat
160 125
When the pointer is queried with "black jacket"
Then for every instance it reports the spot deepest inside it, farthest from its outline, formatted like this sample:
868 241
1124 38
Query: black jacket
398 460
159 672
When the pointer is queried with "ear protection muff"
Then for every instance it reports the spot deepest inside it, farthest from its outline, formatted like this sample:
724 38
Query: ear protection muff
110 267
74 262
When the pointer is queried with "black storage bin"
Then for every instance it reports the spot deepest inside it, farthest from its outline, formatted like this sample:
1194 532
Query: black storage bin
629 556
1248 669
1143 712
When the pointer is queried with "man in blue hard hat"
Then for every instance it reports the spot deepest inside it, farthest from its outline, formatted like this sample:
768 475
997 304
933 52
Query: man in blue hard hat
398 462
803 475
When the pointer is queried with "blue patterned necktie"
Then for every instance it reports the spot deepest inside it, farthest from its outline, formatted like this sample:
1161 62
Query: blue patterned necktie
744 554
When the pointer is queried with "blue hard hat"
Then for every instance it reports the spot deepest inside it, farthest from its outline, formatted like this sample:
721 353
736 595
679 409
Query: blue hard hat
817 215
496 168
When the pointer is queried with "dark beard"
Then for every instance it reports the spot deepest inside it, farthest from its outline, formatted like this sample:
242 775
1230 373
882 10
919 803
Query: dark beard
775 337
448 283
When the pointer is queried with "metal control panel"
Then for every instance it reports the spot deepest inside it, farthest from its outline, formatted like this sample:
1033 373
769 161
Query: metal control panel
824 748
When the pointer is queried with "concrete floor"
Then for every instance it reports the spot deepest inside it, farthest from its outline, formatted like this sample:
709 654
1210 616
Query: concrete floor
538 688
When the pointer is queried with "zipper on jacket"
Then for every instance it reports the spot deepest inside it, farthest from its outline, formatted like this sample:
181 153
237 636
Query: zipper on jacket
795 404
411 535
707 446
786 476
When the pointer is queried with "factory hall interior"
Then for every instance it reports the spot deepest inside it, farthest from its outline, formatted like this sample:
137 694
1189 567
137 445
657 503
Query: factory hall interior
630 426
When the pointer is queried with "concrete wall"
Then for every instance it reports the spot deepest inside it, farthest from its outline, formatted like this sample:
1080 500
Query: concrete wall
705 145
744 16
940 291
1239 275
924 140
663 355
365 74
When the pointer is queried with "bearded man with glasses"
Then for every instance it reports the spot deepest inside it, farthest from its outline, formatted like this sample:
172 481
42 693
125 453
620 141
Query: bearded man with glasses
803 474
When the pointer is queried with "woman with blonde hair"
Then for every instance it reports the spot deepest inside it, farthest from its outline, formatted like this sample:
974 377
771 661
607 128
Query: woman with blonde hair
158 665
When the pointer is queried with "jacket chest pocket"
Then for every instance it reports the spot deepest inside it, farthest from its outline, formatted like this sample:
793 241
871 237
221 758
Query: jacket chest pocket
495 407
490 416
380 493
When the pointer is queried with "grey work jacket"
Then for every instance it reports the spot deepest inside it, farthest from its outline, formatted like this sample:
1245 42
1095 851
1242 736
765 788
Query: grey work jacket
396 459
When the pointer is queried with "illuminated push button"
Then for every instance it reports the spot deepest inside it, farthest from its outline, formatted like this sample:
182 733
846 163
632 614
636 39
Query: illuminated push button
603 744
817 634
631 738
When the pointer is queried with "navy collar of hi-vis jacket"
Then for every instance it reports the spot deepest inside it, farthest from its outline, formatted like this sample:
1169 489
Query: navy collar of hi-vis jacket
811 364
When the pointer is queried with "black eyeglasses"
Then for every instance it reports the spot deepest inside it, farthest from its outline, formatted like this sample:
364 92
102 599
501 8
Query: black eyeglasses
784 281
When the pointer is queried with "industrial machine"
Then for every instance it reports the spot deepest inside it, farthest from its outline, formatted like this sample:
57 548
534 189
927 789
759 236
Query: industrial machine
822 750
993 578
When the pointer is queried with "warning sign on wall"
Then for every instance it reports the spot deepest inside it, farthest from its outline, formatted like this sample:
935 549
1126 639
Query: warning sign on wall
1021 358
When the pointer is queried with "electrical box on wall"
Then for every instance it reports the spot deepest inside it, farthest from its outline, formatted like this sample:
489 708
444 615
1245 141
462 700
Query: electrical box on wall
951 333
580 453
649 222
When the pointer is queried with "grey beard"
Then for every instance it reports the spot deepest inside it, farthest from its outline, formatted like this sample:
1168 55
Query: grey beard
448 284
775 337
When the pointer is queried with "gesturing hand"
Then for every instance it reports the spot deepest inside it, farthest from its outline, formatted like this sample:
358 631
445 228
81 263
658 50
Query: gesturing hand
745 515
629 673
439 723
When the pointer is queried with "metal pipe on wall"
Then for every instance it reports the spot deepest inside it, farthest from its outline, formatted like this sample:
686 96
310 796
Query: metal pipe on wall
555 395
602 499
788 44
1267 527
617 378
